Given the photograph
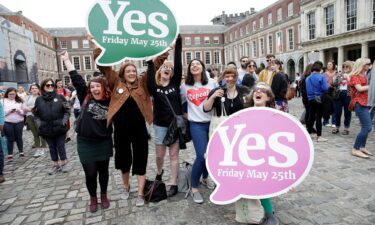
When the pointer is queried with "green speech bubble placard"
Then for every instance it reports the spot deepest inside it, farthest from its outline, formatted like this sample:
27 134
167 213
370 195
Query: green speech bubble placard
131 29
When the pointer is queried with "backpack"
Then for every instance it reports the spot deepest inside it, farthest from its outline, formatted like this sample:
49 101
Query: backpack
184 178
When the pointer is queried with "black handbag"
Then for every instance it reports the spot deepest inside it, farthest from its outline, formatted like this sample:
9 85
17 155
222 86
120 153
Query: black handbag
178 129
155 191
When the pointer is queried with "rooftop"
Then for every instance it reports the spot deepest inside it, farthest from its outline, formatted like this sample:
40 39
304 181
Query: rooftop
192 29
67 31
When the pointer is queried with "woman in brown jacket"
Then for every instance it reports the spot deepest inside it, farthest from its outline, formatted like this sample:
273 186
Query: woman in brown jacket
129 109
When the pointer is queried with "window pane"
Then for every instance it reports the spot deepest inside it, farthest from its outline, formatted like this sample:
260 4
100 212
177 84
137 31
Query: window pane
330 22
87 62
311 22
208 57
351 14
76 63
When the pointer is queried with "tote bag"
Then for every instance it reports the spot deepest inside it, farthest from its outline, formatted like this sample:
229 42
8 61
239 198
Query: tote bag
216 120
249 211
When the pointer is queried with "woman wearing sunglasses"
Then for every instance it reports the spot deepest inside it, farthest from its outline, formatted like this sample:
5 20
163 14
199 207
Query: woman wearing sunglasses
262 96
250 77
51 114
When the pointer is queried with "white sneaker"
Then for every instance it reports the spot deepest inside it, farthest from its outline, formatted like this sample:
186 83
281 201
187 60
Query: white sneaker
37 153
328 125
41 152
333 125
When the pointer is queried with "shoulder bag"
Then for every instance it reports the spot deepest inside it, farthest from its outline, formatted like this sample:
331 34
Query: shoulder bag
178 130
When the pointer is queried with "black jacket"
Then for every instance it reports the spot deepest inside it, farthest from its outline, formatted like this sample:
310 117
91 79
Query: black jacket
279 86
51 114
92 121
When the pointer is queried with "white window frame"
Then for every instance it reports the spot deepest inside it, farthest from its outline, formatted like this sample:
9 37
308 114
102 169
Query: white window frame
197 40
288 40
248 50
207 60
254 25
186 58
200 55
36 36
42 38
279 14
207 40
290 9
62 45
187 40
270 19
329 20
279 42
270 44
85 64
66 80
74 44
217 54
85 44
74 63
349 23
63 67
261 47
254 49
311 25
261 22
216 40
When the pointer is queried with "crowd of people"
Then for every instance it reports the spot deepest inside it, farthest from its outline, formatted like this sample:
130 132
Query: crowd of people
112 110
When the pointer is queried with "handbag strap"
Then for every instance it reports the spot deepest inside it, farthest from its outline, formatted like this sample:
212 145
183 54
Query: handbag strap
170 105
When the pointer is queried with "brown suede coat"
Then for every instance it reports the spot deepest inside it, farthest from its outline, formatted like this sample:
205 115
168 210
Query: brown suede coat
120 93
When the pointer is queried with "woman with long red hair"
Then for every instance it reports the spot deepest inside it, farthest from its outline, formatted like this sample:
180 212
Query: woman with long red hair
94 138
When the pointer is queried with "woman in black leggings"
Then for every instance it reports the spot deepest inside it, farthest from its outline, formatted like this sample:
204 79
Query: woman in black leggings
94 141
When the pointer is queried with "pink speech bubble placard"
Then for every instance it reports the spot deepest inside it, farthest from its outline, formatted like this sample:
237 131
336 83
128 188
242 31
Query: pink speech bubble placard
258 153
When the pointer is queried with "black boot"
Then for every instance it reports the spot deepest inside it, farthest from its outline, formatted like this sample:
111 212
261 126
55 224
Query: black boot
173 190
270 219
159 177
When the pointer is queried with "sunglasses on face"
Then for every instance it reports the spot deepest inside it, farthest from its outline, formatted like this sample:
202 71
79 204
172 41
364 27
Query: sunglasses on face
244 61
50 85
260 89
251 65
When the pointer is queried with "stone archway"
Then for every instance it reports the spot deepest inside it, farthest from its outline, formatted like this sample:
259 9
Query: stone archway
291 69
20 65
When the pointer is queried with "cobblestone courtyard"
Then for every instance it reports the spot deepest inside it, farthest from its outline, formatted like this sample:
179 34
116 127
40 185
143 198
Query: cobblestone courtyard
340 189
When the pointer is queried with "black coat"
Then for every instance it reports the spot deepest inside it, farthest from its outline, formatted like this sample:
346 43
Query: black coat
51 112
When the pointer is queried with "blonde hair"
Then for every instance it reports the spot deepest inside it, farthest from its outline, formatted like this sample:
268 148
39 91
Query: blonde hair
358 66
166 63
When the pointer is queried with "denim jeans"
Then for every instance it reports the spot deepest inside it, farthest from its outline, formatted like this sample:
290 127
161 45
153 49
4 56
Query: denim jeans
199 135
1 159
315 116
13 132
343 102
364 117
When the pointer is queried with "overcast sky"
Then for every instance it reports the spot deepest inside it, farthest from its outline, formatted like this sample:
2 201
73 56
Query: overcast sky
73 13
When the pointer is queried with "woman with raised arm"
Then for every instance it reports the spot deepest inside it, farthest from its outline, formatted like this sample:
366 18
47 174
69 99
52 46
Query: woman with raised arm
164 86
94 138
129 109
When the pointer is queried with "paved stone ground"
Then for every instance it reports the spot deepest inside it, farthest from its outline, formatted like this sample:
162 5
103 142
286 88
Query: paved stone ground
339 190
